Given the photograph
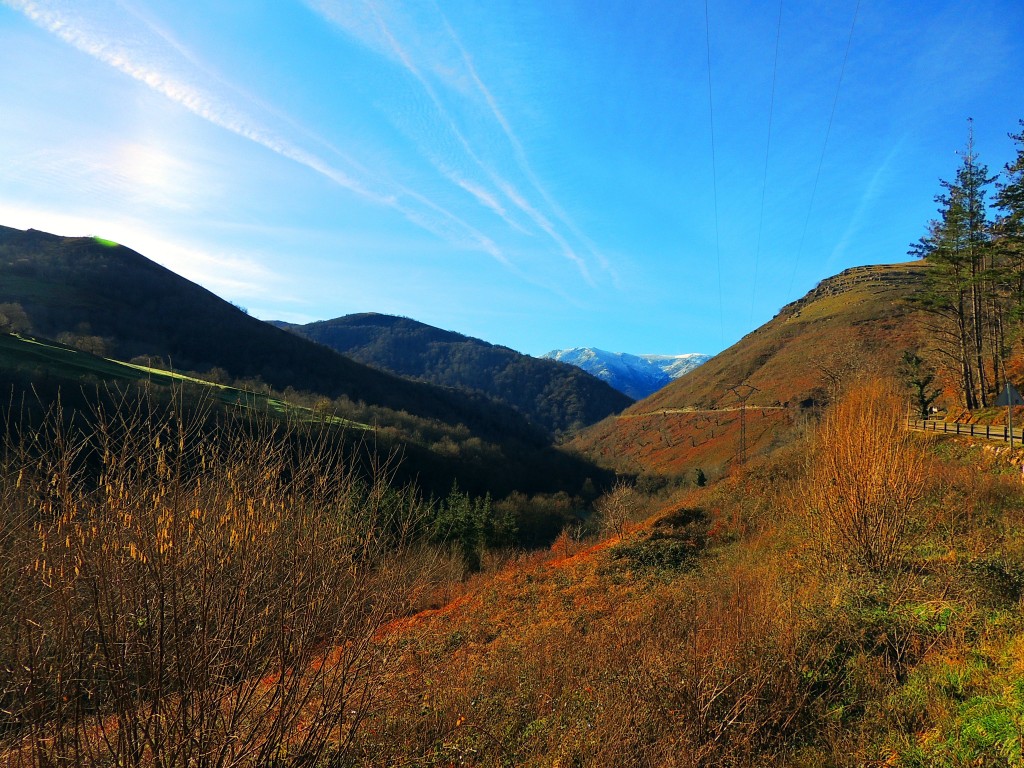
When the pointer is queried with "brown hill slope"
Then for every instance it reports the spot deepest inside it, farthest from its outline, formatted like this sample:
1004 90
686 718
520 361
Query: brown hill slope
857 321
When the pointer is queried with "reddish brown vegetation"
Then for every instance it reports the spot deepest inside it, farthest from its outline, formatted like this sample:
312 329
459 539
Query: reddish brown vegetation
721 631
857 323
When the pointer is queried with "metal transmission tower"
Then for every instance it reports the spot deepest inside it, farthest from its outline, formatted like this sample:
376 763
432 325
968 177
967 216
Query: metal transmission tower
743 393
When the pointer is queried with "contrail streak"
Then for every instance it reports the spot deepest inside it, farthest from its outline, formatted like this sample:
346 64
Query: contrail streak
224 116
513 140
382 40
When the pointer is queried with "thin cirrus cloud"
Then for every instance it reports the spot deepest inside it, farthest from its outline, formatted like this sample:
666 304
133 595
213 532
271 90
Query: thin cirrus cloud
152 57
132 62
434 47
517 147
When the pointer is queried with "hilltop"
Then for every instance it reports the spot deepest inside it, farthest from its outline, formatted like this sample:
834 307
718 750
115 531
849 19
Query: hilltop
111 300
856 322
555 396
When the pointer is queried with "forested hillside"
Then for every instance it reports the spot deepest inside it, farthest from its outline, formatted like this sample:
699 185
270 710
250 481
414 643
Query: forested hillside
107 299
102 299
556 396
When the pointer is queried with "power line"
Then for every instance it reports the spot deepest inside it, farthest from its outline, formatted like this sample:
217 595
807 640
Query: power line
767 147
714 176
824 145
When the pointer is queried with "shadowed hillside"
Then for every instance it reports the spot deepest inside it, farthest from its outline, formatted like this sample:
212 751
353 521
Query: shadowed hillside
105 300
110 300
855 322
553 395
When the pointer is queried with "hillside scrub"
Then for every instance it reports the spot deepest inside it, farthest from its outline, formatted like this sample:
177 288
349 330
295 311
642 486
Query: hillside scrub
866 474
672 648
718 635
216 620
178 597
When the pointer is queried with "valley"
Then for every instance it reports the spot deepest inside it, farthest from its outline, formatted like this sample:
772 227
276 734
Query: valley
315 451
706 534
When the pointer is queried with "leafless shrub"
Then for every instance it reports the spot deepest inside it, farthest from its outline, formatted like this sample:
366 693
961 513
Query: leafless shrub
617 508
180 597
865 477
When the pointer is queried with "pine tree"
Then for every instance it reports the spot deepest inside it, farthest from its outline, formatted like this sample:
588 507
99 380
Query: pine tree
962 278
473 526
946 294
920 377
971 181
1009 229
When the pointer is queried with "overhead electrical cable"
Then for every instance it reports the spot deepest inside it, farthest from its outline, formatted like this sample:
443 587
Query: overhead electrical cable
767 148
714 176
821 160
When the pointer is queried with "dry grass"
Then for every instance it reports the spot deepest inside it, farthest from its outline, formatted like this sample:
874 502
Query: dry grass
176 596
711 636
866 475
633 653
708 635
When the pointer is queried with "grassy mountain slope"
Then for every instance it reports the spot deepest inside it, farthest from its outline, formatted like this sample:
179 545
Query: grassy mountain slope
753 648
553 395
113 301
65 363
855 322
130 306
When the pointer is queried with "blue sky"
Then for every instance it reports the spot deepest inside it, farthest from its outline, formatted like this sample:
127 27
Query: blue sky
537 173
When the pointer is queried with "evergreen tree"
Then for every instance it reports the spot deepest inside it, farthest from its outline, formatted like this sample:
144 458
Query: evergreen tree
962 279
919 377
473 526
1009 229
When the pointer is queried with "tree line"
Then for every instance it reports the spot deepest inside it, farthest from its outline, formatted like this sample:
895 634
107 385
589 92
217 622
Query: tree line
974 291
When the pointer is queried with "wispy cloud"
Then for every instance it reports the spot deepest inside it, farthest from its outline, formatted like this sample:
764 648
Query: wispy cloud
482 195
872 191
374 26
105 48
513 140
155 59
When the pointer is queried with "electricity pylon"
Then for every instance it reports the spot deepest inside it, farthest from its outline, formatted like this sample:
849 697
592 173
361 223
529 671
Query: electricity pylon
743 393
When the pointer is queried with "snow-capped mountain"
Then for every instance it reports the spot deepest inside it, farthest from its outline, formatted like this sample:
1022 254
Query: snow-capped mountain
635 375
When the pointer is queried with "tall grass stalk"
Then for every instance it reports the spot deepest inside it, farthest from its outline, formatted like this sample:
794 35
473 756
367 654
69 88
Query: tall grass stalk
185 590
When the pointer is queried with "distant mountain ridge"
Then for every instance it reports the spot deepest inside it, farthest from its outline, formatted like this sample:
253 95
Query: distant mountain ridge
553 395
637 376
